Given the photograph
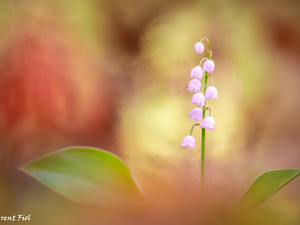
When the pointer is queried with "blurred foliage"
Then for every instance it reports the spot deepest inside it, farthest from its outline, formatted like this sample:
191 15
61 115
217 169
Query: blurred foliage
113 74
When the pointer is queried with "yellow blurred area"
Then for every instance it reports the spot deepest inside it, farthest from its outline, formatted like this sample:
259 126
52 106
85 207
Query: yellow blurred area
114 75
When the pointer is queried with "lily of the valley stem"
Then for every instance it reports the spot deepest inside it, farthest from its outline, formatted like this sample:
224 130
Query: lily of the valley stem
200 99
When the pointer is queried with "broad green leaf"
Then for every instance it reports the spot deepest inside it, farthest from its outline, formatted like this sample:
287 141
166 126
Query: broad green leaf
87 175
263 187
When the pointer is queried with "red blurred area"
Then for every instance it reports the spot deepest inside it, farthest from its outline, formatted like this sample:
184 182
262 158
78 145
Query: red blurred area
36 88
43 97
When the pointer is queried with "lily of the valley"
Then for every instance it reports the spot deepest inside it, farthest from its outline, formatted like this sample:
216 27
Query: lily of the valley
208 123
196 72
189 142
196 114
194 85
198 99
199 47
211 93
209 66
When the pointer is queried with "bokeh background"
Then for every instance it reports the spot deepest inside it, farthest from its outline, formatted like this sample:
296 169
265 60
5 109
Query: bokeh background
113 74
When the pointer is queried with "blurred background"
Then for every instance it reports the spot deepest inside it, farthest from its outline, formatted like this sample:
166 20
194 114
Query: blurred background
113 74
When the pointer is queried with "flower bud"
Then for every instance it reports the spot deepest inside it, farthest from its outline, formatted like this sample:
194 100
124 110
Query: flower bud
188 142
208 66
208 123
199 47
211 92
196 114
198 99
197 72
194 85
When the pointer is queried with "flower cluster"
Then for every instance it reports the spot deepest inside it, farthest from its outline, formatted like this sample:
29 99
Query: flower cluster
199 99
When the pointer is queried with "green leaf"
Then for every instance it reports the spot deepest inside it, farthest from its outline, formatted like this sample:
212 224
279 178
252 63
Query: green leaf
87 175
263 187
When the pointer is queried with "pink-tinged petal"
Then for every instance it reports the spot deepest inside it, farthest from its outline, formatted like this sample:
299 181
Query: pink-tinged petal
199 47
198 99
208 66
196 114
211 93
208 123
196 72
188 142
194 85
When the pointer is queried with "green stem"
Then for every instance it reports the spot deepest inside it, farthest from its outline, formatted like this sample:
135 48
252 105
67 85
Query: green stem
204 39
208 108
203 136
202 61
196 124
203 162
210 51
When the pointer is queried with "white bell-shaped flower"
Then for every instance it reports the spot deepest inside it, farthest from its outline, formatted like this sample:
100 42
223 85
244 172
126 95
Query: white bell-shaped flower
208 66
198 99
194 85
199 47
208 123
211 93
196 72
188 142
196 114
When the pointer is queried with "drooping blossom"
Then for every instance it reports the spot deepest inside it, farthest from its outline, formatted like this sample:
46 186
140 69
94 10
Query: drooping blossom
208 66
199 47
208 123
196 114
211 93
196 72
188 142
194 85
198 99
